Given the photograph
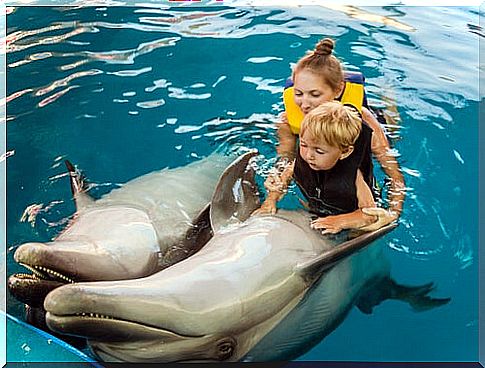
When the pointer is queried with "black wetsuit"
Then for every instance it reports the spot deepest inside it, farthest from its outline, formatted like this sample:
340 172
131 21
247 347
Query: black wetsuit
333 192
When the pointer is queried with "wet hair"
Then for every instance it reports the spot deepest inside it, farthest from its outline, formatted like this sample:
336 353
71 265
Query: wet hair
321 61
334 124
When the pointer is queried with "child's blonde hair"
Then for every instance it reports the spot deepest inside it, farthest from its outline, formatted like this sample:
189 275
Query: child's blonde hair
334 124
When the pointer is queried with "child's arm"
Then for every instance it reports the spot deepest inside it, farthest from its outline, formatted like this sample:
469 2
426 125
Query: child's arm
353 220
276 192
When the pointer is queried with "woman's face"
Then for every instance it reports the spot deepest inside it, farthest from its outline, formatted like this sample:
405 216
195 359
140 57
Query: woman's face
311 91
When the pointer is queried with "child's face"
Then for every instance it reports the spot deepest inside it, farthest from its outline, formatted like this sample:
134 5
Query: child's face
311 91
319 155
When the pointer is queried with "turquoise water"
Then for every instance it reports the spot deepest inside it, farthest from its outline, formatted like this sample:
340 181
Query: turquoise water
121 91
37 346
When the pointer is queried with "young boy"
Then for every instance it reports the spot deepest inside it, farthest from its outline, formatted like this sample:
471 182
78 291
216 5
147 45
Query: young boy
326 172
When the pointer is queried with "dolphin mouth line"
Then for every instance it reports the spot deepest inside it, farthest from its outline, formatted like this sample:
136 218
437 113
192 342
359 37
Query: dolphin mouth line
92 317
44 273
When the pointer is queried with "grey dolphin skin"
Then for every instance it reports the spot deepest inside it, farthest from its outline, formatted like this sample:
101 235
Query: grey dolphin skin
138 229
262 288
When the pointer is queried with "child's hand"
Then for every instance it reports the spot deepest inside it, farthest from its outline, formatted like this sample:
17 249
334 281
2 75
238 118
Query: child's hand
267 208
330 224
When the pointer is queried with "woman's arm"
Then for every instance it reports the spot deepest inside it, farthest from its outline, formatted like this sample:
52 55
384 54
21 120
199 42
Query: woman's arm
286 139
364 193
286 151
382 152
353 220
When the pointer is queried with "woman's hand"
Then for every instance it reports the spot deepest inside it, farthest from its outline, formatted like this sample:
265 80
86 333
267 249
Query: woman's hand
384 217
269 205
267 208
359 219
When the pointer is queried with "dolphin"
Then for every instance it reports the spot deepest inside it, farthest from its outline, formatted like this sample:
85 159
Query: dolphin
362 280
233 299
136 230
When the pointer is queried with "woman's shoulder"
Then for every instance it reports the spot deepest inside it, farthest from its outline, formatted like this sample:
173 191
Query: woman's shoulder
370 120
283 117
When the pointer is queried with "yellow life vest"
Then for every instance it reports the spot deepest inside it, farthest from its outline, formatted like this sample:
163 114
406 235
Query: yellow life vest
354 94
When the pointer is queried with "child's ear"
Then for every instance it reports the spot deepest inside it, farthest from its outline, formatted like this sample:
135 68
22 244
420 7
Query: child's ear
346 153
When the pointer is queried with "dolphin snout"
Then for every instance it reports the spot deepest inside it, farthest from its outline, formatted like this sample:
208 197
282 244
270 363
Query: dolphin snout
30 290
61 260
68 300
70 310
80 260
29 253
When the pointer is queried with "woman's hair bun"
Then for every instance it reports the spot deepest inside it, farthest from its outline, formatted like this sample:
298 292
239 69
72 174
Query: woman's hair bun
324 47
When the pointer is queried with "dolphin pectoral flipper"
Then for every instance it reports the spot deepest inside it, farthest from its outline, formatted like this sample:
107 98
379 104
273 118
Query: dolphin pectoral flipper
198 234
310 270
78 186
416 296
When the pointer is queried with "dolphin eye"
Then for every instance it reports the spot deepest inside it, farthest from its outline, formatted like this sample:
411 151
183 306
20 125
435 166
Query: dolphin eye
225 348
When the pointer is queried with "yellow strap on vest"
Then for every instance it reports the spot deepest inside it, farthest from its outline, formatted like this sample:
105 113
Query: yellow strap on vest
353 95
293 112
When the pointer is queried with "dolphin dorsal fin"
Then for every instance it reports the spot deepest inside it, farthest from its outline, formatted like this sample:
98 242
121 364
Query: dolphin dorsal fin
313 268
78 186
236 195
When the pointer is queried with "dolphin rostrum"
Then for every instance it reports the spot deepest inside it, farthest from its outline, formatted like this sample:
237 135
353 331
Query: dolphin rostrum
232 299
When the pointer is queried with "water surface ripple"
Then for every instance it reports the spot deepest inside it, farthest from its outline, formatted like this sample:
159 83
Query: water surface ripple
122 91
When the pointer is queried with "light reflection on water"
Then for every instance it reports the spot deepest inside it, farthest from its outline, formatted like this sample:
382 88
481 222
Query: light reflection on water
124 91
